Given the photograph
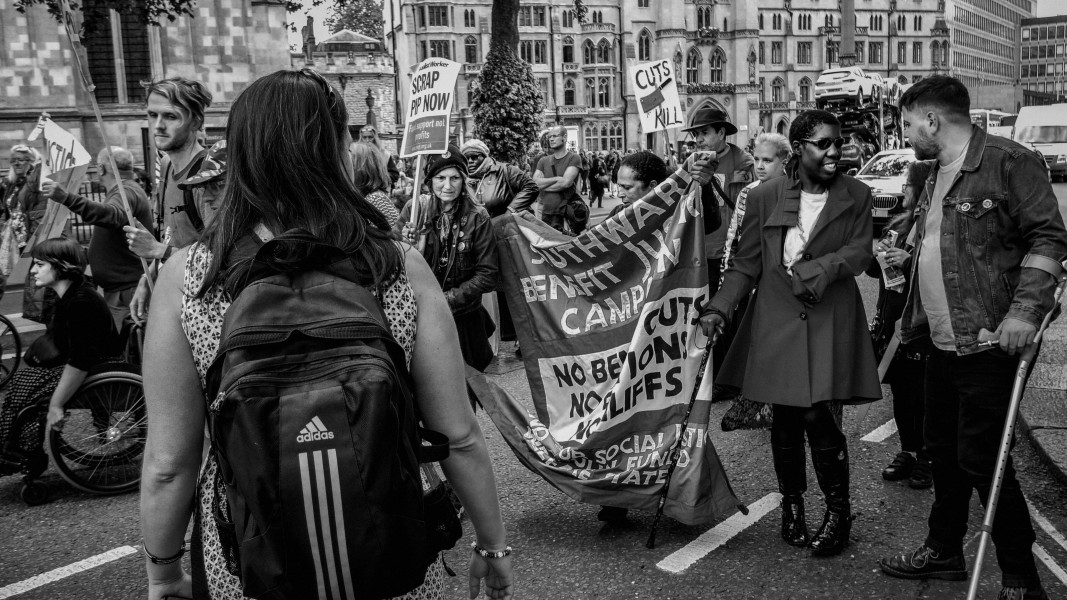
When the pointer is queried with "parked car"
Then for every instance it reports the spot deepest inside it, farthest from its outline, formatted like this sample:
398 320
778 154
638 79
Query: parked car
848 83
1044 128
886 174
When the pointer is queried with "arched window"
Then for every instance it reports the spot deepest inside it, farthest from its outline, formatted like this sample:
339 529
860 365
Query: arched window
935 52
783 127
692 66
568 18
717 60
724 28
588 52
605 139
598 17
761 20
777 90
644 45
616 135
944 53
902 80
603 52
703 17
604 93
591 138
568 49
568 92
590 92
831 51
805 90
470 47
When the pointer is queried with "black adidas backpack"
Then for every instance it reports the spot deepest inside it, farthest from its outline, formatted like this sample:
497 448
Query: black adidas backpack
316 437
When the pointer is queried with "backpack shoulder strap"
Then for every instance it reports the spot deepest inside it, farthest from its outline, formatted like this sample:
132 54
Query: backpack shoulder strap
189 201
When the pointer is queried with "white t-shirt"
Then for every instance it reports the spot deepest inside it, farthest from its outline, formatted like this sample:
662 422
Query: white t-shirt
796 239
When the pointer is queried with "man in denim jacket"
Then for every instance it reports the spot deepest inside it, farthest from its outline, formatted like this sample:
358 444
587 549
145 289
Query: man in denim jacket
989 243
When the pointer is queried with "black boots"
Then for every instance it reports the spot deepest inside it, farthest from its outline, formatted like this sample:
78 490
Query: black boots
831 468
789 465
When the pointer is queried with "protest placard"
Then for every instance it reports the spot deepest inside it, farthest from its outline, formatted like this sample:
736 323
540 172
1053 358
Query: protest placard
433 90
611 345
656 88
65 161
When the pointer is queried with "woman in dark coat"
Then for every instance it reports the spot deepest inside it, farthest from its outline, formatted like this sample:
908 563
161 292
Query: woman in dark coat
460 248
803 344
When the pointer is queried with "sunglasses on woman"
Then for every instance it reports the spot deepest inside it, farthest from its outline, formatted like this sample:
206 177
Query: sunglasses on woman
825 143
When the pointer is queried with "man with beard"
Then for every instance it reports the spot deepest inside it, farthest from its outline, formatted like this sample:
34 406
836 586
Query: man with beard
175 110
556 175
989 240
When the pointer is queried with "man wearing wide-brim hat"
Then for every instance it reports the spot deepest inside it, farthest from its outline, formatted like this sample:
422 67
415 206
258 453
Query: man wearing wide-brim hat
734 170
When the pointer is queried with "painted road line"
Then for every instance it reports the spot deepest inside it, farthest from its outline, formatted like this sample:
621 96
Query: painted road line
882 433
24 325
54 575
718 535
1056 570
1047 526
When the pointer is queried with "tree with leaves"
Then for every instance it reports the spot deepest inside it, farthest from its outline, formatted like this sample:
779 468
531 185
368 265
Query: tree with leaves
361 16
506 102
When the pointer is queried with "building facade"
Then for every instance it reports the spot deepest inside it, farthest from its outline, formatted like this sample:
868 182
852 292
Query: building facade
361 68
1043 70
758 61
226 45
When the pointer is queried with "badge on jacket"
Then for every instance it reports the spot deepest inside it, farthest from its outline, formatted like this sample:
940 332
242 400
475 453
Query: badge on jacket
742 176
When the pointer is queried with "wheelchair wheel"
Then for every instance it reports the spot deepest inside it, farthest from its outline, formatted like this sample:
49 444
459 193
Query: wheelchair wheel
10 350
102 442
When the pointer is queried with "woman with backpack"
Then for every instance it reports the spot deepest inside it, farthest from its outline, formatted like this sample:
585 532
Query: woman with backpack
303 193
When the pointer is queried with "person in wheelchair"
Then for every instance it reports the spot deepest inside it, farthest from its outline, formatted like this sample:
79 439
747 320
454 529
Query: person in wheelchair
80 337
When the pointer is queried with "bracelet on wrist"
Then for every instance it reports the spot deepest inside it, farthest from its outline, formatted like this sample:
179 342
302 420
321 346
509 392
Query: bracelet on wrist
487 554
156 560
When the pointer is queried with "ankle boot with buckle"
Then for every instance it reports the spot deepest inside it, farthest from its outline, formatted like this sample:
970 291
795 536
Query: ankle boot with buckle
831 469
790 466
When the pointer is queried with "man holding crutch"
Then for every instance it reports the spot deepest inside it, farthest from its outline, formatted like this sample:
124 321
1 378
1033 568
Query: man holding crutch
989 241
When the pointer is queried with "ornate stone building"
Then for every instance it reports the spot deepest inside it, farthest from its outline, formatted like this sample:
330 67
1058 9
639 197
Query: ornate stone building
228 44
362 69
756 60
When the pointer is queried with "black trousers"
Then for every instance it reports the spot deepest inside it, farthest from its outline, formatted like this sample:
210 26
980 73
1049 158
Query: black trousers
906 378
967 401
791 423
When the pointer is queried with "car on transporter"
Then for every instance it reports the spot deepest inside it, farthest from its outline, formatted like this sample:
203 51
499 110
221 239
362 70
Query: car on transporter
848 84
886 173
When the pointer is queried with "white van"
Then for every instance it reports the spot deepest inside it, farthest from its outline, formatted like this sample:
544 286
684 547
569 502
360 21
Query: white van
1044 128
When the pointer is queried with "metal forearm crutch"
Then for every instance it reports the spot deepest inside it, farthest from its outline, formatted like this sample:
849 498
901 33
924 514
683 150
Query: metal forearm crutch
1021 374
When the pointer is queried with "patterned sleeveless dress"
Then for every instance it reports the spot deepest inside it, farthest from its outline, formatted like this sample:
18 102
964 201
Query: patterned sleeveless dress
202 322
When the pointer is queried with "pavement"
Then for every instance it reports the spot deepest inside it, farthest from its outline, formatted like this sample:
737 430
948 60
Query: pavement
1043 413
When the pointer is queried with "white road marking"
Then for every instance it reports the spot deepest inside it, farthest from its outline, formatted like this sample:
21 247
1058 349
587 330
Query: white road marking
882 433
24 326
1043 556
718 535
1047 526
54 575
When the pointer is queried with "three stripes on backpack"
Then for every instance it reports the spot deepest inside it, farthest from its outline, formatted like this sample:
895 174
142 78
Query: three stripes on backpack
325 517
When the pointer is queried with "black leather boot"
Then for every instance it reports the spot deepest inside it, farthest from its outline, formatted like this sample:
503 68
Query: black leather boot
831 469
790 466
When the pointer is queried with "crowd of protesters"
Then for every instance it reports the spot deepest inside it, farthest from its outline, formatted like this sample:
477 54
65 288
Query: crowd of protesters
787 232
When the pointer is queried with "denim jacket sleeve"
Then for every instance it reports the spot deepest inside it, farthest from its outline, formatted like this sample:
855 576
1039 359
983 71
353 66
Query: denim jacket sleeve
1037 213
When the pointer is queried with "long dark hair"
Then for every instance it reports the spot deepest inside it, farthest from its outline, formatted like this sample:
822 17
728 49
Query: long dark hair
287 168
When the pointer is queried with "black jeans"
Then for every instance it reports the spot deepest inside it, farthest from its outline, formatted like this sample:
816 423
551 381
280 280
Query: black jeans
906 379
967 401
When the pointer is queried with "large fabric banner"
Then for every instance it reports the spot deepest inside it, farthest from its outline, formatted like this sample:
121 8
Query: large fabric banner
608 325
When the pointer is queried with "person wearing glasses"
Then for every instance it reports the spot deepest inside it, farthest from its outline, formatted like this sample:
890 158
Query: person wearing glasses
308 185
804 239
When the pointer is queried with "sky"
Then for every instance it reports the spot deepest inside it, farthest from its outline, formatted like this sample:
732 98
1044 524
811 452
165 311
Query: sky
1050 8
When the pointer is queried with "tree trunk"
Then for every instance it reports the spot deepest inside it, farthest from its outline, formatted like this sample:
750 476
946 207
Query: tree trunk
505 26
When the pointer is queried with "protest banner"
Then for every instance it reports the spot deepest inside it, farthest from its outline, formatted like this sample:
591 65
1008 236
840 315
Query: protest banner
656 88
433 90
65 161
611 345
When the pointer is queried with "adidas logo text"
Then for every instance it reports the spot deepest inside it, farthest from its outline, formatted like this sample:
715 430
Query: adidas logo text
314 431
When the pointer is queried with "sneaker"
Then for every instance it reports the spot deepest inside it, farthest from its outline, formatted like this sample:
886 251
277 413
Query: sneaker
925 563
901 467
1027 593
922 478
